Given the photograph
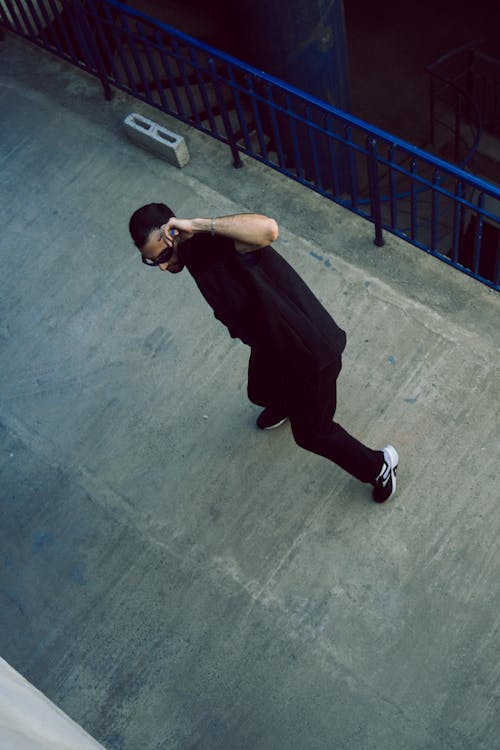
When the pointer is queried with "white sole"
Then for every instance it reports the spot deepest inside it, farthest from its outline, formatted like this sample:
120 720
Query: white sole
273 426
391 453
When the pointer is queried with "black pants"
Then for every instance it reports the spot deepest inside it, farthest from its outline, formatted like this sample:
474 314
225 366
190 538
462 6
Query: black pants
311 409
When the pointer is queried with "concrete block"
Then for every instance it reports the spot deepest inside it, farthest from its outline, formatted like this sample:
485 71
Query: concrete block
162 142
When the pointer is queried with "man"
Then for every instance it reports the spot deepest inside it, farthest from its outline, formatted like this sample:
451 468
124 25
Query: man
296 346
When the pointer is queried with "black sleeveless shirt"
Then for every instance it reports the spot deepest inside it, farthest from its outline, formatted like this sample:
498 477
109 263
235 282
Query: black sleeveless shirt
263 301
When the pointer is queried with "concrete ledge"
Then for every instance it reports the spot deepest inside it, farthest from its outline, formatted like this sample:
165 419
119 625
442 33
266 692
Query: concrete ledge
162 142
30 721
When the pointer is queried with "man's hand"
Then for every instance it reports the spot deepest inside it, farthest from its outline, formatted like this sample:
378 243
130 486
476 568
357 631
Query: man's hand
177 229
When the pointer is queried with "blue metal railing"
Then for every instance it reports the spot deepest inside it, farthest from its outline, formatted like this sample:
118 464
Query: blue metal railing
419 197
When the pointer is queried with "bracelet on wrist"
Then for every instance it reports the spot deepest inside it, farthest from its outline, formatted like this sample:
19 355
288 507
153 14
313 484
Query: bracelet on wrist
212 226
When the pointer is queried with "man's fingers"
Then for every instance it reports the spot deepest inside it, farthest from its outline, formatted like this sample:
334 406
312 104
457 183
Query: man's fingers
168 234
182 227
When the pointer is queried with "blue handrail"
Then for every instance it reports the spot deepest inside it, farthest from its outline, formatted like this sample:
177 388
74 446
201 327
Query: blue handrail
453 214
348 119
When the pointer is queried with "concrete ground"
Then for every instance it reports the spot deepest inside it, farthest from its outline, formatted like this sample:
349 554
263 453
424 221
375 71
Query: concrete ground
171 577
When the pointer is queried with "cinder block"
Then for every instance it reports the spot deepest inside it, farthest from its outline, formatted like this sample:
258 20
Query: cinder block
155 138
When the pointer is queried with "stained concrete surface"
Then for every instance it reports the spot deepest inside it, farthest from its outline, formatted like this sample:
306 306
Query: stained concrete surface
171 577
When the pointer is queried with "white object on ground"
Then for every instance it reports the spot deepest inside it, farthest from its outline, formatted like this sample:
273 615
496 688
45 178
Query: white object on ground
30 721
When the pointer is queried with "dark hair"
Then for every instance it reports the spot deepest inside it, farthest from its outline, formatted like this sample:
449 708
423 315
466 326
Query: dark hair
145 219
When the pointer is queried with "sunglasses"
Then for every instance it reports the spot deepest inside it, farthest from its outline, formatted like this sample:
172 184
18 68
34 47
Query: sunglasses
163 257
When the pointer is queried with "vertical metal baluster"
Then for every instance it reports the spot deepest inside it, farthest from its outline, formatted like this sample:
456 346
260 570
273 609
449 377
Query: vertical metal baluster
413 199
61 35
108 52
202 88
119 48
101 69
50 30
154 71
374 187
4 17
275 127
240 110
78 22
171 79
34 12
130 46
457 219
137 61
392 189
353 177
64 35
478 235
293 132
314 147
130 73
179 57
333 156
436 180
28 29
496 272
93 60
257 118
14 19
237 163
50 25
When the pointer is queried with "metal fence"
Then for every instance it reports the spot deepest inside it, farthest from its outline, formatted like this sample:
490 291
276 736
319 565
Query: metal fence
428 202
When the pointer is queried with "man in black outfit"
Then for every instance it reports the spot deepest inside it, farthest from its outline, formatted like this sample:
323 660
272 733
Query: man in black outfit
296 346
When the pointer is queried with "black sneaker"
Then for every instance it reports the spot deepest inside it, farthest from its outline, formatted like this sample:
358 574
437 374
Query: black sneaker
269 419
384 485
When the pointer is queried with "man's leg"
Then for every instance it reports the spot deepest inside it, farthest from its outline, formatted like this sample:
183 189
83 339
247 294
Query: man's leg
311 419
264 390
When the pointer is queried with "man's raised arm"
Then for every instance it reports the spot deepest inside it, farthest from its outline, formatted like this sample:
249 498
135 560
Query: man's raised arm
249 231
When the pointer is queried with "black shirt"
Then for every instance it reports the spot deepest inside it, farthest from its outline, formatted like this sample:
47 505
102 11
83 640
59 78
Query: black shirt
263 301
219 273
